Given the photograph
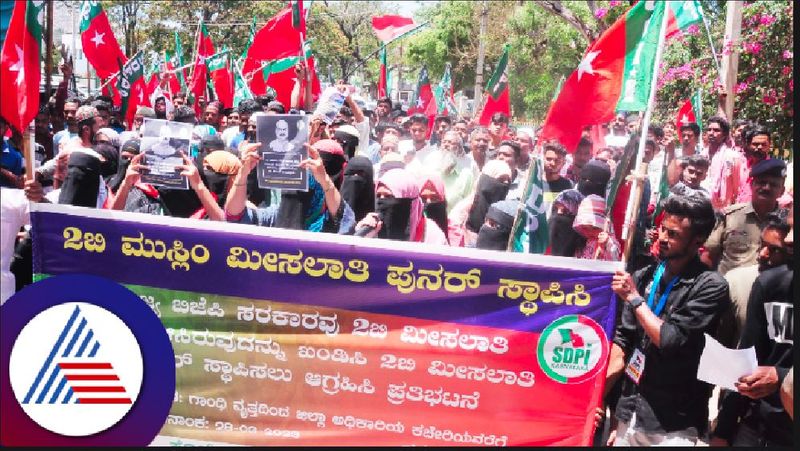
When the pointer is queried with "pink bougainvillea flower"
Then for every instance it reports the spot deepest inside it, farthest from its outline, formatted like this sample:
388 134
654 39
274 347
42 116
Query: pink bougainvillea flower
767 19
787 54
786 70
600 13
740 87
614 3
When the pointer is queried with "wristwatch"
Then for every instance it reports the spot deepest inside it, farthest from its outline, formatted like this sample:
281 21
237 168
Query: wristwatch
636 302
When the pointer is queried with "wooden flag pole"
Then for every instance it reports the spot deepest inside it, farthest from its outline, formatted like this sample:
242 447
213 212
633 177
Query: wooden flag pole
638 184
27 152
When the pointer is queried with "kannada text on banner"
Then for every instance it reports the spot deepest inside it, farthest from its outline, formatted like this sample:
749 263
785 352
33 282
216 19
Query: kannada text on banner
292 338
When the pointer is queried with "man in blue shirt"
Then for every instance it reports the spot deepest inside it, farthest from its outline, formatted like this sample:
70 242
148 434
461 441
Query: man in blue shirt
12 165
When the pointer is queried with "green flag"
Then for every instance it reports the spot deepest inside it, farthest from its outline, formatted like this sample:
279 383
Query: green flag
241 90
250 38
443 93
530 226
178 61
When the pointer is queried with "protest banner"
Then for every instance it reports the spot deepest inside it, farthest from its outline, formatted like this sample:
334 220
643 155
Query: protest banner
283 138
288 337
162 144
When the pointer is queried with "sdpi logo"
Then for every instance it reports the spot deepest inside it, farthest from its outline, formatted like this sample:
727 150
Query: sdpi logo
572 348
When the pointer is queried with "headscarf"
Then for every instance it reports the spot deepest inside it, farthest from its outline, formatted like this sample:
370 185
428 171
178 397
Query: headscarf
496 238
358 188
130 146
332 157
349 137
405 190
391 160
82 182
111 134
436 211
110 154
594 177
564 240
302 210
591 215
488 191
218 167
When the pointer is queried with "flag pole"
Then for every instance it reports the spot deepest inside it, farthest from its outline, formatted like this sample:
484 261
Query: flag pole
632 209
366 58
710 40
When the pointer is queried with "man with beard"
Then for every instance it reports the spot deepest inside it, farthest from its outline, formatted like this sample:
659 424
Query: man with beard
525 142
756 146
728 170
383 109
454 166
160 107
736 239
668 306
582 155
554 155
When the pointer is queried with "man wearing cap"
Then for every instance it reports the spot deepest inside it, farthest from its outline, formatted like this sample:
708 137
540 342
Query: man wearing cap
141 113
737 236
275 107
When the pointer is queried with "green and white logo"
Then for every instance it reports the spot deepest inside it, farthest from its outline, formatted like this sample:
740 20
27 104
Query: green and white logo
572 349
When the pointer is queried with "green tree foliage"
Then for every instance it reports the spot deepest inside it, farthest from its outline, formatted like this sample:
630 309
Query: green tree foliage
764 83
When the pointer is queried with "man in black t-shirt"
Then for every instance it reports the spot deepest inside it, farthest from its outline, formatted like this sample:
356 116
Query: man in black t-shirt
755 415
554 156
668 306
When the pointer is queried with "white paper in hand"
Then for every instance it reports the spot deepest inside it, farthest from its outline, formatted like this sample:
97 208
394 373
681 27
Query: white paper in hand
722 366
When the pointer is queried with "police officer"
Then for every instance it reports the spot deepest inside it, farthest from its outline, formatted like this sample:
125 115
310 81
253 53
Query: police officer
736 238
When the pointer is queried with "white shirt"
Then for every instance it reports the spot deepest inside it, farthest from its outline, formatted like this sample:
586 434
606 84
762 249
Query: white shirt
363 136
14 213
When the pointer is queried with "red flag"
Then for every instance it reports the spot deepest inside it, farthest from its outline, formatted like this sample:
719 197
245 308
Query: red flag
283 81
205 48
151 85
110 90
99 44
593 92
389 27
19 66
685 115
221 78
497 97
276 39
382 89
173 84
423 96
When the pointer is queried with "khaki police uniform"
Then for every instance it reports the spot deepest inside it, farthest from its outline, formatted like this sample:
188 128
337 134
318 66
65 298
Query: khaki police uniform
737 236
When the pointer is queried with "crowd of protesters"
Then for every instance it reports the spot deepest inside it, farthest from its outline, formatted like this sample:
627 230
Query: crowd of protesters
711 252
